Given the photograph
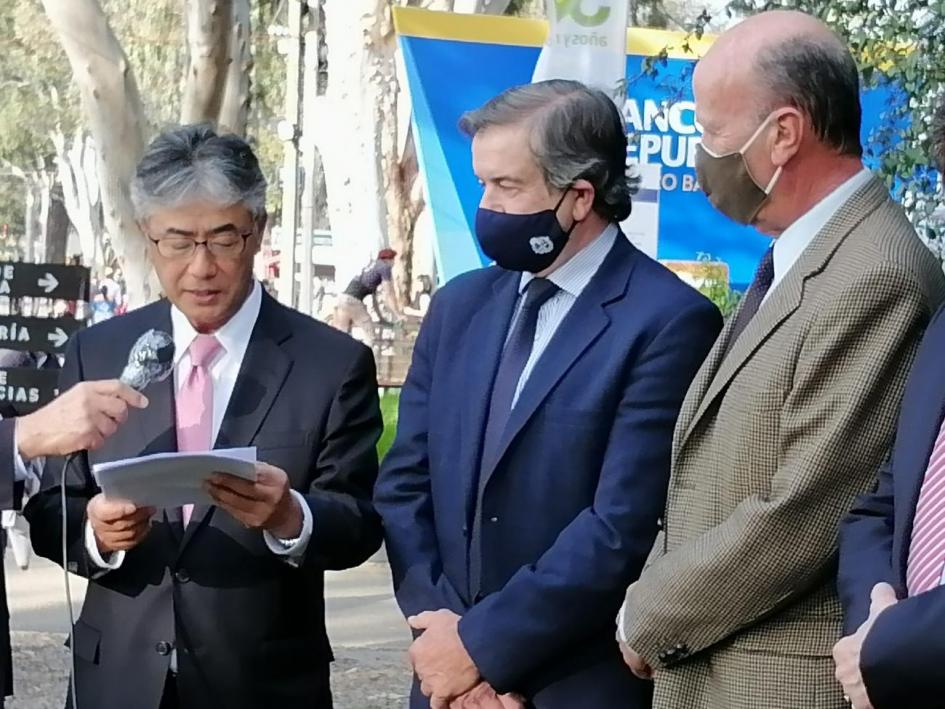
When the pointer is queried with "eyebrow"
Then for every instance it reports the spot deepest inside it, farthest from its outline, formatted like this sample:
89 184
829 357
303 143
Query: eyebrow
506 178
173 231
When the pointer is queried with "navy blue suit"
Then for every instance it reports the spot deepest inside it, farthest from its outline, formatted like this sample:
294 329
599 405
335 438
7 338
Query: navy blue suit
571 507
904 653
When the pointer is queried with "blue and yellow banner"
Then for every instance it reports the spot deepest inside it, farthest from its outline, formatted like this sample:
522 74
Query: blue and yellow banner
457 62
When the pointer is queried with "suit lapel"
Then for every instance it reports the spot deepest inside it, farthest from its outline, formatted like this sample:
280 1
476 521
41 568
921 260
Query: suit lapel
262 374
582 326
485 340
784 300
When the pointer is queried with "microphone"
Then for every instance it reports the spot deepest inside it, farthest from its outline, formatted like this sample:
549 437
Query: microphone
150 360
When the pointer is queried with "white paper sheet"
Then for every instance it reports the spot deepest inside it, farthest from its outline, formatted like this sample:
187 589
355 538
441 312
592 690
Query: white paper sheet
171 479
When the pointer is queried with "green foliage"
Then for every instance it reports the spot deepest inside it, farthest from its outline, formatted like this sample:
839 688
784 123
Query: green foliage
714 284
389 411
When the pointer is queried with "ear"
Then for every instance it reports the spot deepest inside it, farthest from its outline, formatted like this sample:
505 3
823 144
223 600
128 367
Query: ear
584 200
791 129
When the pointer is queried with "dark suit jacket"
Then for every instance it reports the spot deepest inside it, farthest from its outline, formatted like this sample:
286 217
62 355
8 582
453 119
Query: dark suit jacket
904 652
248 627
10 496
569 511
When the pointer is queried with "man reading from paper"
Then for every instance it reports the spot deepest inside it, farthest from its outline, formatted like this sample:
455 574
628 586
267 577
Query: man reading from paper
218 605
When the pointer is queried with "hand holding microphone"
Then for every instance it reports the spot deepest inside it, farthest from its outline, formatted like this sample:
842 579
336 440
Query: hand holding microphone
79 419
83 417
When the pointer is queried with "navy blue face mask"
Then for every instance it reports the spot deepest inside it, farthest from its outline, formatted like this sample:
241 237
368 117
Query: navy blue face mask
522 242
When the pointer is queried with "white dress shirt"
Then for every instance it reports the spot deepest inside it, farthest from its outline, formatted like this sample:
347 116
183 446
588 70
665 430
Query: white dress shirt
234 338
796 238
571 278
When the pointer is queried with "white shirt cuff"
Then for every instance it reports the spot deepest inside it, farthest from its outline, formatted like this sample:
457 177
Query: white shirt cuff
91 546
29 472
293 549
621 633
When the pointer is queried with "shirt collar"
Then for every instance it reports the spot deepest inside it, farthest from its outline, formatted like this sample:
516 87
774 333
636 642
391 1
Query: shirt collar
573 276
791 244
232 336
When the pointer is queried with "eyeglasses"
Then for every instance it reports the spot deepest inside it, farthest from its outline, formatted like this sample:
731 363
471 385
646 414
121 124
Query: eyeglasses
228 245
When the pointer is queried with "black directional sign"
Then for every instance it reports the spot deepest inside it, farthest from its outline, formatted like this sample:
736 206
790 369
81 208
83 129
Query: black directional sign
24 390
37 334
38 280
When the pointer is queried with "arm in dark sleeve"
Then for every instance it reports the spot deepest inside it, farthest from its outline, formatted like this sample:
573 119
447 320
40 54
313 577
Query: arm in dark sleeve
904 652
575 588
866 534
44 511
403 495
866 538
347 530
8 498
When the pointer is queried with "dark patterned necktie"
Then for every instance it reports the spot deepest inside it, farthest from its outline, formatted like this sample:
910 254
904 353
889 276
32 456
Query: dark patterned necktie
760 286
518 349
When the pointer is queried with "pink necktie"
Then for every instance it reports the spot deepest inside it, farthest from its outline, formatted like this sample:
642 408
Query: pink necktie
195 403
927 550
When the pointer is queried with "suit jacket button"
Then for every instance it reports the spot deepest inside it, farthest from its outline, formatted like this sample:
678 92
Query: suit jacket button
465 530
163 648
182 576
493 519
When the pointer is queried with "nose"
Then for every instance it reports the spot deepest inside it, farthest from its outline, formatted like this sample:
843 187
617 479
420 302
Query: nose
202 264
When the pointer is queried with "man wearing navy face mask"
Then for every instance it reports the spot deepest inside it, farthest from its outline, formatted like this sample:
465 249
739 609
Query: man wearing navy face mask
529 472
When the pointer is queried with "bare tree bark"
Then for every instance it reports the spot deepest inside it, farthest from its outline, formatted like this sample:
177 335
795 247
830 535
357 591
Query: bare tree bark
111 105
209 28
362 86
77 166
57 227
234 110
372 153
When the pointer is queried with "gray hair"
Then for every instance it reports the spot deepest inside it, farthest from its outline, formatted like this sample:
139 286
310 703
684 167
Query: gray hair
577 133
938 136
193 163
819 77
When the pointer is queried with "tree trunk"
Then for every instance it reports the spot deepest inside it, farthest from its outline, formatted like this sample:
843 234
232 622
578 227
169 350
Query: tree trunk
57 227
374 154
31 221
44 188
209 30
234 110
77 165
362 85
113 113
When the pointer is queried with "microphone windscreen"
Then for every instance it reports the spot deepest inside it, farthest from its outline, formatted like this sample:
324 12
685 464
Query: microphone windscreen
151 360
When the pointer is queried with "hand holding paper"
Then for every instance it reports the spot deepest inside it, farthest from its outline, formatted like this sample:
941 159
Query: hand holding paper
118 525
265 504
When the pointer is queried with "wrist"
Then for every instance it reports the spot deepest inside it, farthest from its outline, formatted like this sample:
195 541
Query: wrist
25 438
289 524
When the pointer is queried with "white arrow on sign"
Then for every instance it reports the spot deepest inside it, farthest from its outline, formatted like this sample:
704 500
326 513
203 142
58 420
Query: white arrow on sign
48 283
58 337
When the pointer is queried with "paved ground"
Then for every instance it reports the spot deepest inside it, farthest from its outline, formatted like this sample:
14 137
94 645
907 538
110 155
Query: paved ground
365 627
